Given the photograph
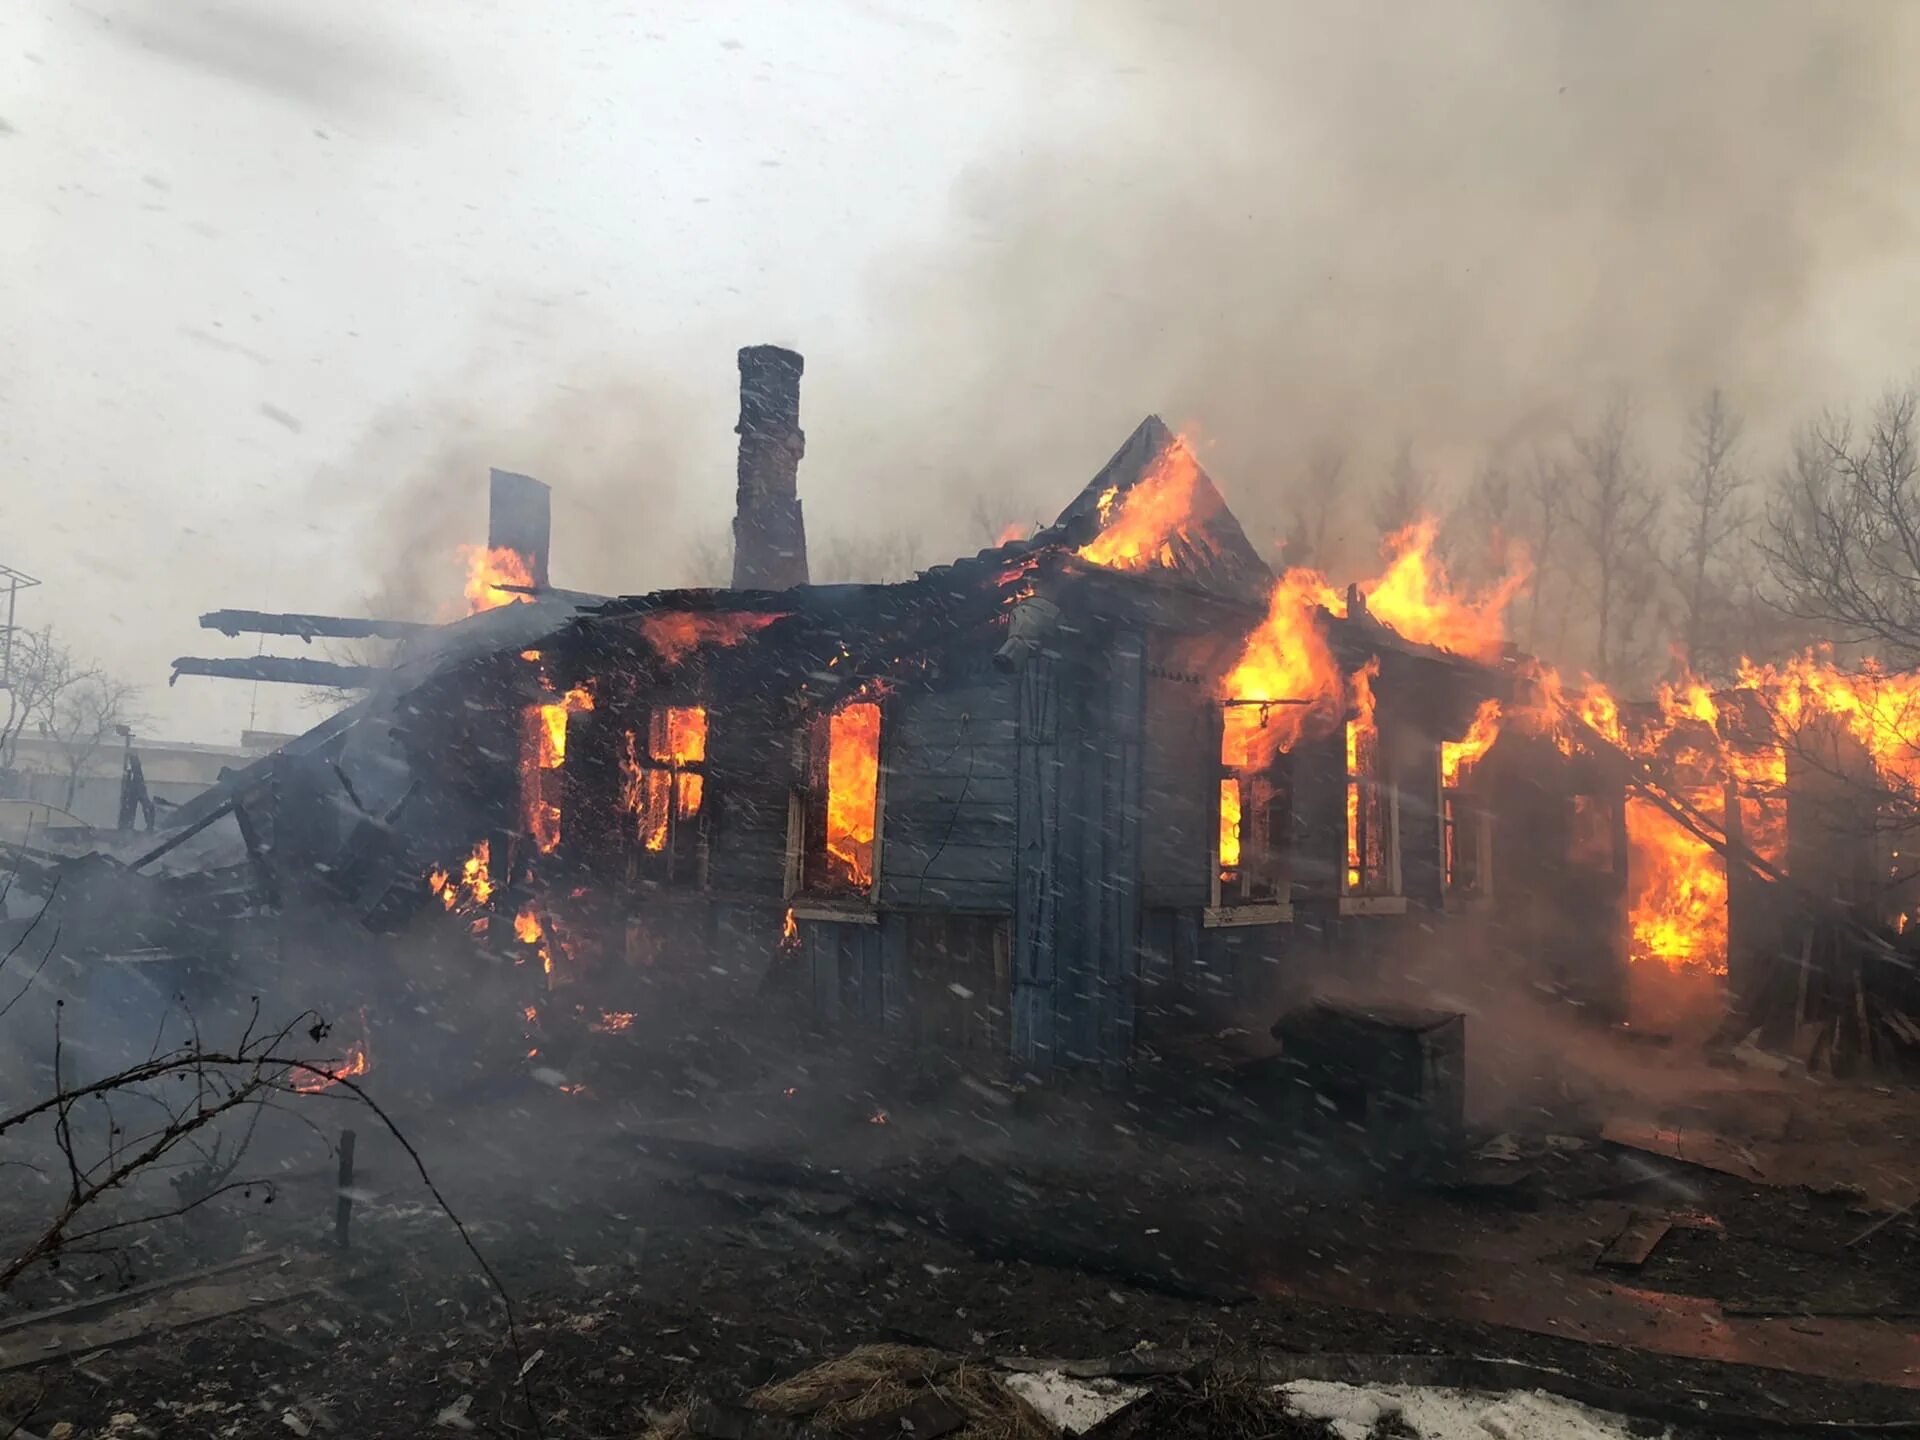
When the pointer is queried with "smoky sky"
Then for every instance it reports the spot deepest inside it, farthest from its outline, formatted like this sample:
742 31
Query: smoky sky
1456 224
287 278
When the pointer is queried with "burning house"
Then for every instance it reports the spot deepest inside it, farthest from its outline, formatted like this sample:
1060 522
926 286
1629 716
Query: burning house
1045 805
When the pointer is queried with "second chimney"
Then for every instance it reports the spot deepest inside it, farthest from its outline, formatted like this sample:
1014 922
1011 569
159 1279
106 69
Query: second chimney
769 535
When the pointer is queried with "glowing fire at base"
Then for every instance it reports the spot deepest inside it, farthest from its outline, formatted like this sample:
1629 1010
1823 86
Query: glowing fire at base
1678 893
853 789
357 1061
1365 812
1229 827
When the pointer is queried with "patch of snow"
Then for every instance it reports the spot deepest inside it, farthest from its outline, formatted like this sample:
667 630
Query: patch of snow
1435 1413
1072 1406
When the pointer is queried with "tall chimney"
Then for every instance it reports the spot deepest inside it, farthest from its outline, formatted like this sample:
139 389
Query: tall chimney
519 517
769 536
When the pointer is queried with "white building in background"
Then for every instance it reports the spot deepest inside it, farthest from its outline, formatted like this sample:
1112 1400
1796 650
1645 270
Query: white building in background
175 771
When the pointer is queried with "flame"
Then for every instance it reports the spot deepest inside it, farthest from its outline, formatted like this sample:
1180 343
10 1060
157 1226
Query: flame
853 789
1457 757
357 1061
1229 826
789 933
1365 817
543 751
1018 531
473 889
488 570
1137 528
526 929
675 634
612 1022
1285 659
676 737
1415 598
1677 892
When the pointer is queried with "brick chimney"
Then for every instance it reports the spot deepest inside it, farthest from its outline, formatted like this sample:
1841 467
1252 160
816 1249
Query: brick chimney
769 535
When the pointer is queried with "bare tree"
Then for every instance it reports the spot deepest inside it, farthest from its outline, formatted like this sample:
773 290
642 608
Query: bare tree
1842 540
706 560
1704 565
1406 495
1612 512
865 559
1311 509
53 694
995 519
83 717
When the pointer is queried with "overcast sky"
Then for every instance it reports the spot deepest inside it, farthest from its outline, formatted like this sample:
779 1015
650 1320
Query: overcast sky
280 278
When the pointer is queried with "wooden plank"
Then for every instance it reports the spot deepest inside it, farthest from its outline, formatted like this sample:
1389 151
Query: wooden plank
205 1299
1629 1249
907 788
929 831
1037 841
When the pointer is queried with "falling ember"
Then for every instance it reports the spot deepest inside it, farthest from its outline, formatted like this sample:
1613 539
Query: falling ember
543 751
1229 826
879 1117
1457 757
1414 597
612 1022
1677 893
1137 528
853 789
676 634
1365 821
489 570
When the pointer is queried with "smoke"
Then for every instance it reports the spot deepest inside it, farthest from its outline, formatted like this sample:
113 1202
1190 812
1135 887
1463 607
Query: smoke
1298 226
633 462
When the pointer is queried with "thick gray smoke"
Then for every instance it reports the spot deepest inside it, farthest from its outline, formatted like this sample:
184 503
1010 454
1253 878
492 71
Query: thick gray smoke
1459 224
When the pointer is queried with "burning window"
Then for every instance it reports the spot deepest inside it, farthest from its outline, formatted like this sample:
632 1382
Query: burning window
837 813
1255 813
1465 836
543 753
1373 811
663 786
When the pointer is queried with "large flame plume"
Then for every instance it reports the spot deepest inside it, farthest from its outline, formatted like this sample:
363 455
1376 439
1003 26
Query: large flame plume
489 570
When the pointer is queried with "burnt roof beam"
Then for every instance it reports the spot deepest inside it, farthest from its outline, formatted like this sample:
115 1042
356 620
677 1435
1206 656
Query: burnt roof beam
340 627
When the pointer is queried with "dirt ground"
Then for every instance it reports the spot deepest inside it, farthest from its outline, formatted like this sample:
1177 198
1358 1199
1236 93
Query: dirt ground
743 1212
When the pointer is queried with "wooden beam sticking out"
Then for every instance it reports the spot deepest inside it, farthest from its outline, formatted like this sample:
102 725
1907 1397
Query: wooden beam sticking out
280 669
341 627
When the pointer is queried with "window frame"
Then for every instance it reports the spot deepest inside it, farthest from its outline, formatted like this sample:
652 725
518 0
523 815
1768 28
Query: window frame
681 861
806 864
1274 862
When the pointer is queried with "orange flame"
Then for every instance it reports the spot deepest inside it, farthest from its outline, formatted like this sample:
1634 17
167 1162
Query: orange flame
676 634
357 1061
1365 808
543 751
1415 598
676 737
853 789
1286 659
1678 892
789 935
1229 826
1138 527
488 570
1457 757
474 887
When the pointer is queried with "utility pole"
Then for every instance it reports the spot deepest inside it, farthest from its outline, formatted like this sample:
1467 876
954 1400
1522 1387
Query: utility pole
15 581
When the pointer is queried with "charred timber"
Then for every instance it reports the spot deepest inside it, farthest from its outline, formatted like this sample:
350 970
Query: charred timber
340 627
279 669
